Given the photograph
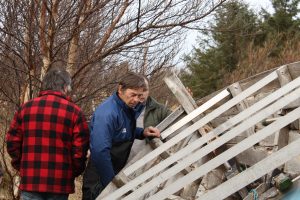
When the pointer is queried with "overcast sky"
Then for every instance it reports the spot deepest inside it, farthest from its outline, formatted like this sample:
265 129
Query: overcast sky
256 4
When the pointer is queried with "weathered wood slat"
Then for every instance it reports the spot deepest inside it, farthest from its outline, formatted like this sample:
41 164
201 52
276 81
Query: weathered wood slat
194 114
213 145
284 77
186 100
231 122
201 122
180 92
236 89
171 118
230 153
253 173
294 69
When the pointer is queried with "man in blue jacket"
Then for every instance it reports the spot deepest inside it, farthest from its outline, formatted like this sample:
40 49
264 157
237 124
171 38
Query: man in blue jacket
113 130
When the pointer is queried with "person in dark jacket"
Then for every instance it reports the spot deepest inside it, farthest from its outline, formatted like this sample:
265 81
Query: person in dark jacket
150 113
113 130
48 141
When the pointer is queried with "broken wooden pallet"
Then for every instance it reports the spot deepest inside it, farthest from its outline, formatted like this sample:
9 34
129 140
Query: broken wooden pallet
181 165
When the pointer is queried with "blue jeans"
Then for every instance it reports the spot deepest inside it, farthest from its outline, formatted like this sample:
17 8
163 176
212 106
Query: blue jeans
42 196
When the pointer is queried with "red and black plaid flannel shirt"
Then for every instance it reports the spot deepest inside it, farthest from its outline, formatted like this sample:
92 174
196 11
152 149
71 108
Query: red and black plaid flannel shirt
48 141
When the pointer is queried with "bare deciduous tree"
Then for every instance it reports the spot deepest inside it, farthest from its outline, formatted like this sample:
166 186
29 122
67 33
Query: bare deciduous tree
92 39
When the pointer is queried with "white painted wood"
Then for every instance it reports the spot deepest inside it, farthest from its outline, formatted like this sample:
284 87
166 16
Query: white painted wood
201 123
194 113
188 103
171 118
213 145
292 167
284 75
253 173
231 122
180 92
230 153
235 89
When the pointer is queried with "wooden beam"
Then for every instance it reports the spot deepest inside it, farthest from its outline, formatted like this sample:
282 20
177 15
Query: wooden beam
235 150
253 173
213 145
201 122
285 77
171 118
222 128
180 92
236 89
194 114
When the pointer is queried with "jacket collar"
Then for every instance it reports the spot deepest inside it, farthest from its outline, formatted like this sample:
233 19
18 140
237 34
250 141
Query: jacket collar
56 93
151 103
120 102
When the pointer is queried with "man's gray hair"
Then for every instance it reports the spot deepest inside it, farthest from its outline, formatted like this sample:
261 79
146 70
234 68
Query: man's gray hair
56 79
134 81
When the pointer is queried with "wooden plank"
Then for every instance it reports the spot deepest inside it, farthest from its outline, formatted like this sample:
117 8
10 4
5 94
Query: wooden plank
294 69
236 89
232 152
194 114
292 167
210 180
256 171
201 123
284 75
182 95
171 118
211 146
250 156
174 197
245 83
187 101
231 122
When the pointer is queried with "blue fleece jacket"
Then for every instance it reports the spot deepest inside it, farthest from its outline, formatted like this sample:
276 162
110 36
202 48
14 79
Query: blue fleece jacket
113 123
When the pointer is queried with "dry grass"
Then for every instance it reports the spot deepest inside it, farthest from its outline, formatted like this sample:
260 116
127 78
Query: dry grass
258 60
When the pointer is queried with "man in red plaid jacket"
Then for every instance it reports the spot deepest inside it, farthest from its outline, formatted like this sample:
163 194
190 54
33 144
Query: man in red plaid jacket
48 141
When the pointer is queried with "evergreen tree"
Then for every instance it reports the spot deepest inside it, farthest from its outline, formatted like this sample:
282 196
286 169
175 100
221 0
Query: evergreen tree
233 28
283 24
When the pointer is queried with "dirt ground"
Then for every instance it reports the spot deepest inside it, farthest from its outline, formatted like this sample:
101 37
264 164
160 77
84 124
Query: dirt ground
78 194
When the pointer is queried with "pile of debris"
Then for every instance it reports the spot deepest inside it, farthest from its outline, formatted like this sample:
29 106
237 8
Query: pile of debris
239 143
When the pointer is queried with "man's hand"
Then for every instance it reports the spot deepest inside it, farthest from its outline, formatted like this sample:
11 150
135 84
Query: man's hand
151 132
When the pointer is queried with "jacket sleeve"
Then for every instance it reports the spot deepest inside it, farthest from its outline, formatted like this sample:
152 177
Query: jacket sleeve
80 144
14 138
139 133
102 128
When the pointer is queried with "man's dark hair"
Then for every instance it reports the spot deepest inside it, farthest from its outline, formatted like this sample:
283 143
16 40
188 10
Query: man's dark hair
56 79
146 81
132 80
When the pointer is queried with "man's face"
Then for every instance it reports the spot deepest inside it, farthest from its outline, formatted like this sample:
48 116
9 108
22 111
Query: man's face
144 97
130 96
